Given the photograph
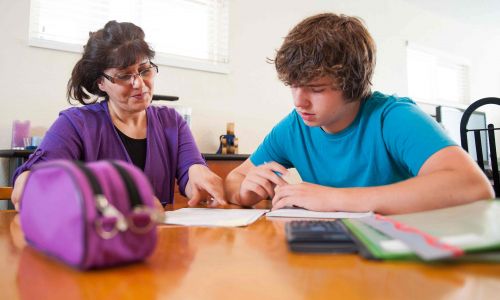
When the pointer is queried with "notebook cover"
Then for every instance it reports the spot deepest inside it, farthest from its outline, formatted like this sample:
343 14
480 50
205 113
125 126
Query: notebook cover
473 227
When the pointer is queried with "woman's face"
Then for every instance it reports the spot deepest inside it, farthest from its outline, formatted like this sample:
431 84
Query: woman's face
130 89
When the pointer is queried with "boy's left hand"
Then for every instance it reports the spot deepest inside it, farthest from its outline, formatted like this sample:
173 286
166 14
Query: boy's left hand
304 195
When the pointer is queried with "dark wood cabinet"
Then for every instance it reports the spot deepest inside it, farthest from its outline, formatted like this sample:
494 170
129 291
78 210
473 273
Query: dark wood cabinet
220 165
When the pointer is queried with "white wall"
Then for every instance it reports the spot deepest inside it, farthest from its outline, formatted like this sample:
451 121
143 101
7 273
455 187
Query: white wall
33 80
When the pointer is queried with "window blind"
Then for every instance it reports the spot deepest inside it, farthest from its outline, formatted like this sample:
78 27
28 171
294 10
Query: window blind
436 77
184 33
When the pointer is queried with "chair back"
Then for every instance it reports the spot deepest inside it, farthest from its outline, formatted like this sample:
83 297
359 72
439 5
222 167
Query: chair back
157 97
5 192
490 136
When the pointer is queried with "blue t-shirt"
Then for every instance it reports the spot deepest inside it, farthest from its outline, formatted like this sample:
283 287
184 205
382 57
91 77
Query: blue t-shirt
389 141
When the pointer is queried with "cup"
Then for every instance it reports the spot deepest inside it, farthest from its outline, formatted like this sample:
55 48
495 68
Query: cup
27 142
32 142
20 130
36 141
185 112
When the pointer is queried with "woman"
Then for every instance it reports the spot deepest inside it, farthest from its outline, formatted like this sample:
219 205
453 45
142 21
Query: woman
116 65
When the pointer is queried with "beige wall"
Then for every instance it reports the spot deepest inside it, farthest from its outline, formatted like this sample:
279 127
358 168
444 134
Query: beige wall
33 80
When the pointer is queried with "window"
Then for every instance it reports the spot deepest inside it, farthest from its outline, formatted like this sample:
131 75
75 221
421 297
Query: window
435 77
184 33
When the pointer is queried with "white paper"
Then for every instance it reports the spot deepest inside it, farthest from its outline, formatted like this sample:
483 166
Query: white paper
304 213
463 240
395 246
213 216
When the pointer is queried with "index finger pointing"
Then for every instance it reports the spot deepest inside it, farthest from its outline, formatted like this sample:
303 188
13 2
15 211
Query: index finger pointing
216 193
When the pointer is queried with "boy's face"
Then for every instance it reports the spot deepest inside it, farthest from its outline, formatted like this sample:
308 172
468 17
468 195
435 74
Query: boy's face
319 103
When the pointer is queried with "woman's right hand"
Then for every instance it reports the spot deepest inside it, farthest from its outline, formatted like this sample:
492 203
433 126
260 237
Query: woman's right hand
18 189
203 184
259 183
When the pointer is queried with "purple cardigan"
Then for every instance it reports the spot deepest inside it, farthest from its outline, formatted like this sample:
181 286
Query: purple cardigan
88 134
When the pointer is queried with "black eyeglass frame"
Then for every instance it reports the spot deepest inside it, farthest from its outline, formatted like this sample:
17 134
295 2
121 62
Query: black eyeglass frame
112 78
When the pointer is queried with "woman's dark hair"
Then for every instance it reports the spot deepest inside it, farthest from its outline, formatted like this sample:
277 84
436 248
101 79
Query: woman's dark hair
327 44
117 45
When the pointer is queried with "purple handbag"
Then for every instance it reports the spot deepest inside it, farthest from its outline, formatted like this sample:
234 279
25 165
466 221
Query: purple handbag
92 215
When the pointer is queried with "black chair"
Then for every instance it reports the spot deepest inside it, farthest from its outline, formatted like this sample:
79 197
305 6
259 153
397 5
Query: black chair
490 140
157 97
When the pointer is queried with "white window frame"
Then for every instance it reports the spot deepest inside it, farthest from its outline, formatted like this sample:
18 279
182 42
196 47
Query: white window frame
160 58
433 62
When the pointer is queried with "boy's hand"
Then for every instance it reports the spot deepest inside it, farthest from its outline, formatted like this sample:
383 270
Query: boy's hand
305 195
259 183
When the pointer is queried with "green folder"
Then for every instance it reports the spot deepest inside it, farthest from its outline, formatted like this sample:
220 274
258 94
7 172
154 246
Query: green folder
474 228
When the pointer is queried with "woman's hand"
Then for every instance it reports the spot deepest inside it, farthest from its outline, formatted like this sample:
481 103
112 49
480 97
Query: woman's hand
18 189
157 204
204 185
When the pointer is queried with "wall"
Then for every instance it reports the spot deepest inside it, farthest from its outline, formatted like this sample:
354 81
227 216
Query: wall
33 80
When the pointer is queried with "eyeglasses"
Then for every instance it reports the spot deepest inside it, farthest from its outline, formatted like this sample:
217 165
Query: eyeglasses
145 74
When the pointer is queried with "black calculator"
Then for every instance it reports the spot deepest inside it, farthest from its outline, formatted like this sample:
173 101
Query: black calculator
319 237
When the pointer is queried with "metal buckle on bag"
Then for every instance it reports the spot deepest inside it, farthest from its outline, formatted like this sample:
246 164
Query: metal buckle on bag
108 211
153 217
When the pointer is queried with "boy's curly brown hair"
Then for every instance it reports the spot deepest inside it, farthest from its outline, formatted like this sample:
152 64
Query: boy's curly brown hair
327 44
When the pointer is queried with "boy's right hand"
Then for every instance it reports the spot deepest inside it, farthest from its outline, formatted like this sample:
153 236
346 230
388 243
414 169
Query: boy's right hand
260 181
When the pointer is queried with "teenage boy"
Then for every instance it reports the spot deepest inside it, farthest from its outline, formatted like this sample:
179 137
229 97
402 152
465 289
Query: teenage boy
355 149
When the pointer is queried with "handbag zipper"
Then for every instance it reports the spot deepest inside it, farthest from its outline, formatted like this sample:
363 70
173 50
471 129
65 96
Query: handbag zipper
94 184
133 193
137 205
103 206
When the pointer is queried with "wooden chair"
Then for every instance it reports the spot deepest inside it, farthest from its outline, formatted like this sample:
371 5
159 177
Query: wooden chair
478 137
5 195
5 192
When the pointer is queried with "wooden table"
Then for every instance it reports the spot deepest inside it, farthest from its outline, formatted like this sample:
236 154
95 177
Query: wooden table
235 263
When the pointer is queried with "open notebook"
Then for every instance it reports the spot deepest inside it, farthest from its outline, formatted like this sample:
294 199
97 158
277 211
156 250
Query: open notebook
243 217
213 216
